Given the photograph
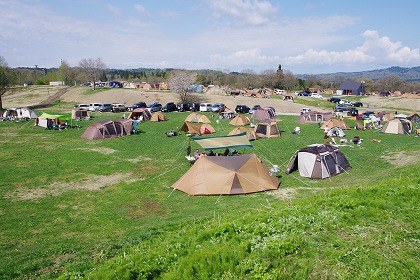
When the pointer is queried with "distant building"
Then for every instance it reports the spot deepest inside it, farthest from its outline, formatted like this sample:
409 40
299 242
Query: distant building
351 88
57 83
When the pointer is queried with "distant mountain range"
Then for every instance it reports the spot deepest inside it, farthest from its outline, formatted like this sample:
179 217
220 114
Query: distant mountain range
407 74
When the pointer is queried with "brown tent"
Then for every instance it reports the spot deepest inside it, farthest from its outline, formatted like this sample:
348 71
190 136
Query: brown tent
335 123
103 129
250 132
140 114
158 117
217 175
128 126
262 114
240 120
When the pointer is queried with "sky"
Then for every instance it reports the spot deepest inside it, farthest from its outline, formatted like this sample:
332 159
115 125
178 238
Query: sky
304 37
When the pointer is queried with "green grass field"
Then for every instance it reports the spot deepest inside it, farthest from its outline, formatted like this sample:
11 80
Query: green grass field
73 208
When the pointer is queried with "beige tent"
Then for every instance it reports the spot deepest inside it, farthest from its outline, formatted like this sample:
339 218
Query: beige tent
197 128
250 132
240 120
217 175
267 129
197 118
158 117
398 126
80 115
335 123
206 128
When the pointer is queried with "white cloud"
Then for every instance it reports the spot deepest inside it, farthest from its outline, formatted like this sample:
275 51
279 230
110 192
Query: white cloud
141 10
243 59
114 10
375 49
252 12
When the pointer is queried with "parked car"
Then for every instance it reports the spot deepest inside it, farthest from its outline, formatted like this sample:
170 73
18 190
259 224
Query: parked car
194 107
334 99
216 107
154 107
205 107
105 107
279 91
117 107
357 104
317 95
242 109
341 107
94 106
182 107
368 113
304 93
81 107
305 110
353 112
169 107
252 110
137 105
345 102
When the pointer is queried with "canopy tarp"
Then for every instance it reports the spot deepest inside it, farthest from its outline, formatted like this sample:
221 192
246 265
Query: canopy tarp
50 116
224 142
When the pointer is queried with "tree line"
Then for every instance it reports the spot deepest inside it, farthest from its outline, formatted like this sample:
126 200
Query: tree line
90 69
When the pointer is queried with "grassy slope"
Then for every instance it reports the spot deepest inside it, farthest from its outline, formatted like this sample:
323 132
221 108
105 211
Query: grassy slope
55 222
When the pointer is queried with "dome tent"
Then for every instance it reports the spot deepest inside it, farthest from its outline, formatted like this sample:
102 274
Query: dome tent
318 161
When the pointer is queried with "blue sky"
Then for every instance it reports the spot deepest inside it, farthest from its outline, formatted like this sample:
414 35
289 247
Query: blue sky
305 37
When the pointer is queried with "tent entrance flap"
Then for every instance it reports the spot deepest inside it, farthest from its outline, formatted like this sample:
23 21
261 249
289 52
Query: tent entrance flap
224 142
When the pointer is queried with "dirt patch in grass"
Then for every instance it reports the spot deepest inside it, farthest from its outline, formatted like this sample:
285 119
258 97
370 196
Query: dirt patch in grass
402 158
102 150
91 183
285 194
138 159
147 208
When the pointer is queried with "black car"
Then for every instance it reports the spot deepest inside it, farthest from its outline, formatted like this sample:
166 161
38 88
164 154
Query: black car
169 107
357 104
154 107
334 99
194 107
242 109
137 105
305 93
182 107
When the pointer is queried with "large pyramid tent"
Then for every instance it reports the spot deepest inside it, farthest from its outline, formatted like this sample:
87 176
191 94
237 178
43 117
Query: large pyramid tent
217 175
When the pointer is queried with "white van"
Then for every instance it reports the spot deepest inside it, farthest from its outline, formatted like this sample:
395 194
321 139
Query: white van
94 106
205 107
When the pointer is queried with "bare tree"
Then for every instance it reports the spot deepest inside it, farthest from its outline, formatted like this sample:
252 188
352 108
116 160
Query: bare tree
179 81
92 69
289 81
5 79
